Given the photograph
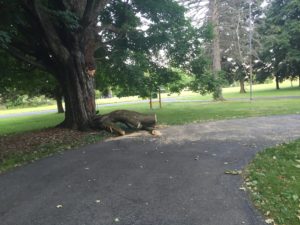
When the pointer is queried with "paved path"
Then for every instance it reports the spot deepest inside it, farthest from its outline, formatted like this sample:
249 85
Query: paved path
146 180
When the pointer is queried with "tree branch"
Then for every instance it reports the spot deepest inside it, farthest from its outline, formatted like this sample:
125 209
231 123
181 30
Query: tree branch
88 13
21 56
47 28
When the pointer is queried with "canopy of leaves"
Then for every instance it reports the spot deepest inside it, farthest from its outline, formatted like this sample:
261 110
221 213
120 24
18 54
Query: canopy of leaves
18 79
136 40
281 40
139 59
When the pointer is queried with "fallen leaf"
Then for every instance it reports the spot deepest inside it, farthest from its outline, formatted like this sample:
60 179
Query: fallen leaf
269 221
295 197
117 220
242 188
233 172
98 201
59 206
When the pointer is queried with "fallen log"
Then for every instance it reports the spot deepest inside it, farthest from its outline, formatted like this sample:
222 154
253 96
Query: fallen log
131 119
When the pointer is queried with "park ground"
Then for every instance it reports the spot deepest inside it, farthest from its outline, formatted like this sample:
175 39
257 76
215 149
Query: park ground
27 139
188 175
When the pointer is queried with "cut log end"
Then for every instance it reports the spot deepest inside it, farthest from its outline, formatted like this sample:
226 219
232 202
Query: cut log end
129 118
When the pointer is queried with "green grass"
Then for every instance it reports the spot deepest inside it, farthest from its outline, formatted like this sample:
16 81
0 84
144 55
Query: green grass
28 109
273 179
170 114
29 123
181 113
259 90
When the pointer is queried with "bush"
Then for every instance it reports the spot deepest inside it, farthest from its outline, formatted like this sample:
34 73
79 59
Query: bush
26 101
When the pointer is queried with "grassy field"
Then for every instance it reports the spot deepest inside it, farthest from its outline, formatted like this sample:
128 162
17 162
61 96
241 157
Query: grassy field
29 123
259 90
171 113
273 179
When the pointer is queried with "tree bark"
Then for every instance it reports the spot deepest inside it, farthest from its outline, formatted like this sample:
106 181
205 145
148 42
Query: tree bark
150 101
216 67
131 119
159 97
242 86
59 103
277 82
79 94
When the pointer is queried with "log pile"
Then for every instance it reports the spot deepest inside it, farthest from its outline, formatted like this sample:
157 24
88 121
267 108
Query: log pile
131 119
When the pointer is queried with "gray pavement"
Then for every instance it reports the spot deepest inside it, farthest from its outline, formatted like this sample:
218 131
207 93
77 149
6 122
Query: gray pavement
174 179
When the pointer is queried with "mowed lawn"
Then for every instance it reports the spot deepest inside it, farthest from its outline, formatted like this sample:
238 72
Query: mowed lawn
170 114
259 91
273 179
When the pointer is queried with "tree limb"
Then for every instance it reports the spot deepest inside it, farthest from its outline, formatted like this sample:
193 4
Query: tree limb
50 34
21 56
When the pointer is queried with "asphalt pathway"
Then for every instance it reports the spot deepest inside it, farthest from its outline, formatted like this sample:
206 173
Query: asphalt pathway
174 179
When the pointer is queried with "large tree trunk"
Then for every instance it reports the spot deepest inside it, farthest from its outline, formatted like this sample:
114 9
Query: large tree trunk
79 94
216 67
242 86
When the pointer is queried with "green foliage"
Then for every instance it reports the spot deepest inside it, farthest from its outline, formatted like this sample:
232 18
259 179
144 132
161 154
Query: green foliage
207 31
66 18
281 31
138 61
179 84
15 100
203 80
273 179
4 39
21 84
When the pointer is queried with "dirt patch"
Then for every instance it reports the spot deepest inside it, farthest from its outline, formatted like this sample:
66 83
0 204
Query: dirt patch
33 141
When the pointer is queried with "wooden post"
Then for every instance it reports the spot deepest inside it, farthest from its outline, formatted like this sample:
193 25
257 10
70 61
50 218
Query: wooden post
150 100
159 95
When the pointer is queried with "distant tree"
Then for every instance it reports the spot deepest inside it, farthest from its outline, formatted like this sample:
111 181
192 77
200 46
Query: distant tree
228 23
144 71
235 26
280 56
211 20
